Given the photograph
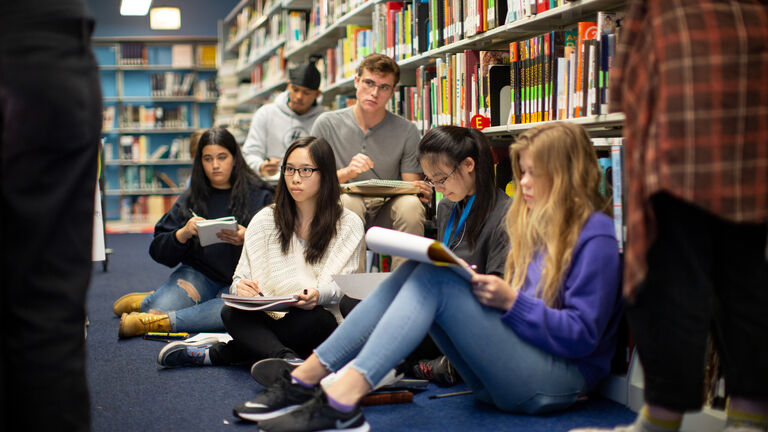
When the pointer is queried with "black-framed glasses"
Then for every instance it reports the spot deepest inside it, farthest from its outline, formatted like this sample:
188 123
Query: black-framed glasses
370 84
435 183
304 172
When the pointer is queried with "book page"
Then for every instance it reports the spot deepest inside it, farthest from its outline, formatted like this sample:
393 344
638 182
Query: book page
207 229
391 242
276 303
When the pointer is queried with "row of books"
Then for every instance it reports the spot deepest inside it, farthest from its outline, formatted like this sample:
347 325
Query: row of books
150 116
325 13
182 55
145 208
265 74
563 74
341 61
247 16
520 9
543 78
149 178
171 83
611 159
138 148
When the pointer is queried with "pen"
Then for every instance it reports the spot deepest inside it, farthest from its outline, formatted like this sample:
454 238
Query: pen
193 213
162 335
461 393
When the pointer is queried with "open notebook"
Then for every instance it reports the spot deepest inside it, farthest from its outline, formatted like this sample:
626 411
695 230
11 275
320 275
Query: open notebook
379 187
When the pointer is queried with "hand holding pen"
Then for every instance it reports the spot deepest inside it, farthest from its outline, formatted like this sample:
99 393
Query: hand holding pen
248 288
189 230
270 166
359 164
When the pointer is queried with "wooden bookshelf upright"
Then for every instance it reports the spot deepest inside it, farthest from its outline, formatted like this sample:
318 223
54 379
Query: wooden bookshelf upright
156 92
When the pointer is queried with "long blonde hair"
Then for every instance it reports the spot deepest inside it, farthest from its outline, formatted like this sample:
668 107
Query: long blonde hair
564 158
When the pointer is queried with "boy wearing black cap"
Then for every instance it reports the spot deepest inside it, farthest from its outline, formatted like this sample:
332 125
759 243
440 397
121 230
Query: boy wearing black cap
275 126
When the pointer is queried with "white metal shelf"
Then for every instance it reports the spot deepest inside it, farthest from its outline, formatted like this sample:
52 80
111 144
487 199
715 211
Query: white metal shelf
123 162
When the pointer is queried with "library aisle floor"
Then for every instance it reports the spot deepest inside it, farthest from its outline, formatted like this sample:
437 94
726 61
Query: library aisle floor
130 392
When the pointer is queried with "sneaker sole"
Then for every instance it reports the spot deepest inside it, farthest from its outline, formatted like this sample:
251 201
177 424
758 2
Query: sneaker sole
266 371
365 427
255 417
168 347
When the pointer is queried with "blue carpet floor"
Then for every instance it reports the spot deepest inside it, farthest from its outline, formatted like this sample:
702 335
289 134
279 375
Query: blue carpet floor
130 392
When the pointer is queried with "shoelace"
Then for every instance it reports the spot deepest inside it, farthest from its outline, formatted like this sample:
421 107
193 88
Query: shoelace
426 370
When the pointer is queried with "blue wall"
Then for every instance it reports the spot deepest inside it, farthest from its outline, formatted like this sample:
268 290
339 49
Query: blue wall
198 18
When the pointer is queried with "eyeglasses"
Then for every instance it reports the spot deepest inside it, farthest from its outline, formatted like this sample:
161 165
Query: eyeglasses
304 172
369 85
440 182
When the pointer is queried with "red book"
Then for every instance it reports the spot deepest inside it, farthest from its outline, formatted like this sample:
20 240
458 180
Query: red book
541 6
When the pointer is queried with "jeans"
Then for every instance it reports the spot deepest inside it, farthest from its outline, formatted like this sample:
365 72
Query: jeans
499 367
705 276
50 120
199 314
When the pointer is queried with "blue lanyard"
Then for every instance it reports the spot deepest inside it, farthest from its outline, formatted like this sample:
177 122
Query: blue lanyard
447 237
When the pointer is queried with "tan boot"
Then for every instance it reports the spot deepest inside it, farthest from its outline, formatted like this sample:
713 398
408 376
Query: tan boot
128 303
137 323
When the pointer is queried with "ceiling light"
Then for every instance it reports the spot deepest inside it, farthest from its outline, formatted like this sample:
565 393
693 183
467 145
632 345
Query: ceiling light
165 18
134 7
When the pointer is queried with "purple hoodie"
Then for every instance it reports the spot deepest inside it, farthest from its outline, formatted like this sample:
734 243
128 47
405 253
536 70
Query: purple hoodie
583 329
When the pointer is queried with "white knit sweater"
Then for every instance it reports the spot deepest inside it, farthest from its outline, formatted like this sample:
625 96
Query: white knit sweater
281 274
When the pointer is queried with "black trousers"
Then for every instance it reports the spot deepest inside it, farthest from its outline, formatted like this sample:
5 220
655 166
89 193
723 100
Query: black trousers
705 274
50 121
256 336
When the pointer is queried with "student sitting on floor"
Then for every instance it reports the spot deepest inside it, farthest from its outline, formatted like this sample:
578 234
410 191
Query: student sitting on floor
291 248
531 343
470 220
222 185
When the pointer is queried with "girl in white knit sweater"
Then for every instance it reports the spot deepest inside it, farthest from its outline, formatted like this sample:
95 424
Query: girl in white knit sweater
291 248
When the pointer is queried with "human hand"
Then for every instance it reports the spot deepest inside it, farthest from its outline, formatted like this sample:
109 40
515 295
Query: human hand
493 291
247 288
308 299
425 191
270 166
359 164
189 230
233 237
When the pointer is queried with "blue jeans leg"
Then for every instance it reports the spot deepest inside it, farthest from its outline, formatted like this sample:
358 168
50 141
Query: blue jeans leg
497 364
347 340
202 313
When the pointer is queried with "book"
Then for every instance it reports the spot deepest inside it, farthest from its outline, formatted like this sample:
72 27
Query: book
417 248
259 303
379 187
207 229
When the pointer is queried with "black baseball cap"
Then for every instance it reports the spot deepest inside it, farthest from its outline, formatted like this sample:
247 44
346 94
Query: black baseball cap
305 75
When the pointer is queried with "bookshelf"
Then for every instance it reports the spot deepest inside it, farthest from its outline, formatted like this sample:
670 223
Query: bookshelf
156 92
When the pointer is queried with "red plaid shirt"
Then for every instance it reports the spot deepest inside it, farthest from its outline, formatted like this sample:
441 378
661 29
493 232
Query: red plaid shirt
691 76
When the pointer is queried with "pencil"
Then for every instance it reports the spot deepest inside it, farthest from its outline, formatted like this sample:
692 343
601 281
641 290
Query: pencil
461 393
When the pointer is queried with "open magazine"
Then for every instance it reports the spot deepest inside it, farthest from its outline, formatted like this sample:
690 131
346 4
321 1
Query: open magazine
207 229
276 303
391 242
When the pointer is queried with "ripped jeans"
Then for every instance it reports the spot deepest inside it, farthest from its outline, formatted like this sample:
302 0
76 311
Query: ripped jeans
191 299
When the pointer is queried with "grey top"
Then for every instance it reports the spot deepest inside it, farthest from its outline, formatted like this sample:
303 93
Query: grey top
491 246
273 128
392 145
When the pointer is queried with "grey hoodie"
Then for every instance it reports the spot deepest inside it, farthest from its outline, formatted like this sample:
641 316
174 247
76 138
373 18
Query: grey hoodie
274 127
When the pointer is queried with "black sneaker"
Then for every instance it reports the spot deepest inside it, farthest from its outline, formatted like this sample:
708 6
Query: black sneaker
439 370
280 398
317 415
267 371
179 354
